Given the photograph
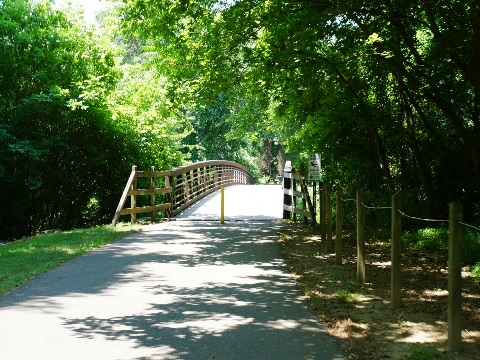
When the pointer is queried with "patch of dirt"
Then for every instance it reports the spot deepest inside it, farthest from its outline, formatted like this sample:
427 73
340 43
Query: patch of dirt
361 315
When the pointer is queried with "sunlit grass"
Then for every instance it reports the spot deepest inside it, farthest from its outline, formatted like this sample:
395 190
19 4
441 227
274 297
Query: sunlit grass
26 259
436 239
428 239
422 352
350 293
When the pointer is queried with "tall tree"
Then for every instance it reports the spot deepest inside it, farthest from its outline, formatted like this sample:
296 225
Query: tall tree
64 158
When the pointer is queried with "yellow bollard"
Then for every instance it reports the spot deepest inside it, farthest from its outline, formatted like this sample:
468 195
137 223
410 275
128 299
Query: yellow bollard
222 211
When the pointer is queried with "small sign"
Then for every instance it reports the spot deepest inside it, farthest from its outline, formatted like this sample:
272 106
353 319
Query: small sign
315 167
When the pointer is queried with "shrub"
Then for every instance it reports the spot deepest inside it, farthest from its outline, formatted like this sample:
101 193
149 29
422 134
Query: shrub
436 239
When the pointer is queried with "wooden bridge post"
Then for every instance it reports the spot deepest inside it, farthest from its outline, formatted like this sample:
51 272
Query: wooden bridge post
219 169
153 185
287 184
133 198
169 196
212 176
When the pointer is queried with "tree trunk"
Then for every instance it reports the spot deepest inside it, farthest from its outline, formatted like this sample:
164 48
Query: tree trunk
425 177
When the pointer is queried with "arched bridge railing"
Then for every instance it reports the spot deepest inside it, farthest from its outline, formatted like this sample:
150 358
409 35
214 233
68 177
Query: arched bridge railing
174 190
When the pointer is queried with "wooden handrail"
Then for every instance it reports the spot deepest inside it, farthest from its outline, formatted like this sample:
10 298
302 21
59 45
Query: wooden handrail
183 186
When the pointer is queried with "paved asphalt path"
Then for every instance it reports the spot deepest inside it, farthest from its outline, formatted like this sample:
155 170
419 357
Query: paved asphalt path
178 290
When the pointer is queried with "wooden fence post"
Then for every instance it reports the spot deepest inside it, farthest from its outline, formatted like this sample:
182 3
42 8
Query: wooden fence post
396 255
338 226
328 210
287 185
455 238
323 231
360 238
133 198
304 190
307 200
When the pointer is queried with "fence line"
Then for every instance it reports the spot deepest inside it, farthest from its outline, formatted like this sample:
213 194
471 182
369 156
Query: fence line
454 260
420 219
470 226
376 207
455 222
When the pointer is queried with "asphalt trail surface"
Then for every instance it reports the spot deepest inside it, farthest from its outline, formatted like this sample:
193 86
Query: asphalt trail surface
178 290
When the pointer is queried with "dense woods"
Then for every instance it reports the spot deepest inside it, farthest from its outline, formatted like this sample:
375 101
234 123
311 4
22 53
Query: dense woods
71 125
387 92
80 104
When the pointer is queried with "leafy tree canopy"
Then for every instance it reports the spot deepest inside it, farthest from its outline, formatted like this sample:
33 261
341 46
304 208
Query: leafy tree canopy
388 92
72 122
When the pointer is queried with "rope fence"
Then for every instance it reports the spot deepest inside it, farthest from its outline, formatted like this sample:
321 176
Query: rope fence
376 207
470 226
455 234
420 219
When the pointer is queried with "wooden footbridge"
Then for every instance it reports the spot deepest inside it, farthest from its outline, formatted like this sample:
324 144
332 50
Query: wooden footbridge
177 193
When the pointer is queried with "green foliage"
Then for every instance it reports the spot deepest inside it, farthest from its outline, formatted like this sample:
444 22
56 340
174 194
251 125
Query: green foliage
23 260
210 135
471 247
214 137
350 293
72 125
56 139
139 107
387 97
428 239
476 271
436 239
420 352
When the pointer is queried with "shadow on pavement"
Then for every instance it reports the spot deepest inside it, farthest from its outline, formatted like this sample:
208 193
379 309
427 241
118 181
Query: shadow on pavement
182 290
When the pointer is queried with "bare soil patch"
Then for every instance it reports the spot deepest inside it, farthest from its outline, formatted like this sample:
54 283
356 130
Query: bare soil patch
362 317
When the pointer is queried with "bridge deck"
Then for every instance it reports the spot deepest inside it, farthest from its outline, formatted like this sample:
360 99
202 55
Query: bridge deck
242 202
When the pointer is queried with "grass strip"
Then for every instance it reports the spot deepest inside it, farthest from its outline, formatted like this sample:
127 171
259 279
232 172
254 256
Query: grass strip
24 260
